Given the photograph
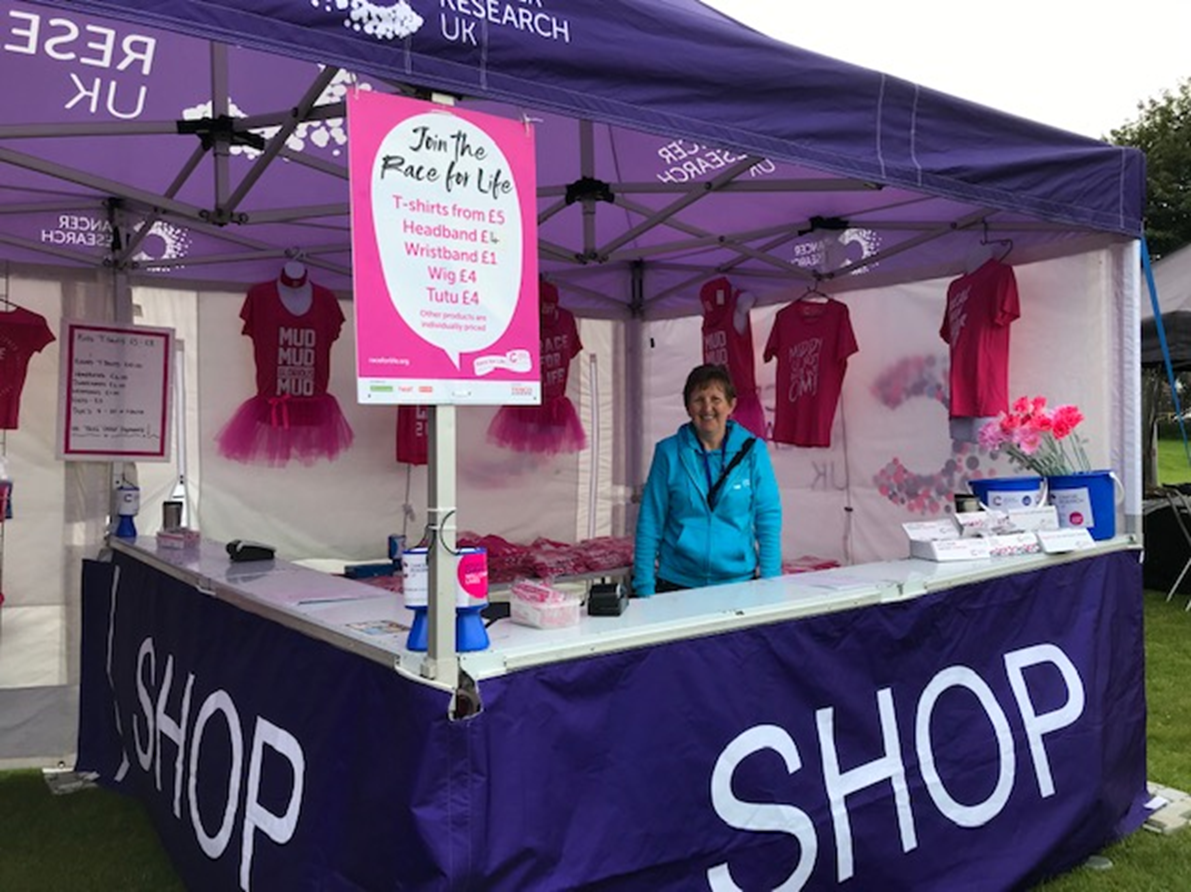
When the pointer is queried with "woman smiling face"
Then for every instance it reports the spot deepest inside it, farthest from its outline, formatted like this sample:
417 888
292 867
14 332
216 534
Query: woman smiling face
709 408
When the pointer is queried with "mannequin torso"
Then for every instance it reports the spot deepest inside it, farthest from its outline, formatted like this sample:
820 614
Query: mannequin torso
294 289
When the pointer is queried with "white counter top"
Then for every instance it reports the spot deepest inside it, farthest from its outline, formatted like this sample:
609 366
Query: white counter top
372 621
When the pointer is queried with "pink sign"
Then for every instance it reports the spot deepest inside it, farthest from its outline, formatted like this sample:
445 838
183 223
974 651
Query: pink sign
473 573
444 254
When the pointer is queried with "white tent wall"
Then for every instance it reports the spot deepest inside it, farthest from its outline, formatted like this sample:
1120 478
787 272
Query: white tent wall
900 454
891 455
346 509
59 517
601 492
37 689
1172 280
342 510
175 309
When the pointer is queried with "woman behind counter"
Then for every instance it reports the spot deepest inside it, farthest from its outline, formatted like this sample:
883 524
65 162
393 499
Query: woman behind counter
710 512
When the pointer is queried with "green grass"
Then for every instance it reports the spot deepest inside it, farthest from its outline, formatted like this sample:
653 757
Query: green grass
1143 862
1168 669
1146 861
102 841
1172 462
91 841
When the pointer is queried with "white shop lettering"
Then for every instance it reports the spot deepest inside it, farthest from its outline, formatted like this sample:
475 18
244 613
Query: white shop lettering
166 719
890 767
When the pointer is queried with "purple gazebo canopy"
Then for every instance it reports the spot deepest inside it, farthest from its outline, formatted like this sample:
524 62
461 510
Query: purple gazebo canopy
204 141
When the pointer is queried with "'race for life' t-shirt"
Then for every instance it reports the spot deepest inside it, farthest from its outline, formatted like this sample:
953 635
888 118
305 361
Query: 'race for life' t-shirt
980 307
812 342
292 352
560 344
413 434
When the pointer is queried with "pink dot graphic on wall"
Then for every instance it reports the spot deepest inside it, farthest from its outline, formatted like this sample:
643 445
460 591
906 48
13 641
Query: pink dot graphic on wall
923 492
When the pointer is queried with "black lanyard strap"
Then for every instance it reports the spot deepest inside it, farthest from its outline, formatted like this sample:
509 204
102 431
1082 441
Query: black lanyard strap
713 493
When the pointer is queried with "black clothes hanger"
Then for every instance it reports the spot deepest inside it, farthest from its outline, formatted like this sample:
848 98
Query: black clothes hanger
1005 243
813 295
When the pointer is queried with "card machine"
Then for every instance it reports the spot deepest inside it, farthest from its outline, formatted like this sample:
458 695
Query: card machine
607 599
246 550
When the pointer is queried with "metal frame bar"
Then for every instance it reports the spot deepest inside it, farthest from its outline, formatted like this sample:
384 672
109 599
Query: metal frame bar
277 143
692 195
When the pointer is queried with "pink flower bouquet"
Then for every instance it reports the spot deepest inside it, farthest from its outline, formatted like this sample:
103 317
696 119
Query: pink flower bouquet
1040 440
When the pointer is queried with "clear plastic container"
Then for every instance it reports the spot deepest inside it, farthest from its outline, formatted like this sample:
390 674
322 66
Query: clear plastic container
545 615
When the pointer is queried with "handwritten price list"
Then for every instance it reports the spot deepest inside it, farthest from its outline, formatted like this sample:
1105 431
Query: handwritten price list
116 392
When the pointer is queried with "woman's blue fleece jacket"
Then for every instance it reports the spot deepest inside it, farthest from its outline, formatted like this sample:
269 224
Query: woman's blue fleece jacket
692 544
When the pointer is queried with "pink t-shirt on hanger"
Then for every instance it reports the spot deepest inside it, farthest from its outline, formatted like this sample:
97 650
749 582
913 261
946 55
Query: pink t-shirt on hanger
812 341
980 307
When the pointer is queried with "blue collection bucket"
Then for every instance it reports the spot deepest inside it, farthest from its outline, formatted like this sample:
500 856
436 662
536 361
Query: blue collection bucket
470 633
471 597
1086 499
1006 493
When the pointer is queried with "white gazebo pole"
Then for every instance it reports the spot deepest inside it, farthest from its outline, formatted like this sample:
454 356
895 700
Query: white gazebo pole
441 662
1127 398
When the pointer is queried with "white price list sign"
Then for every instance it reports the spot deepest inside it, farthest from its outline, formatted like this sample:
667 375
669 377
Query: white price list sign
114 392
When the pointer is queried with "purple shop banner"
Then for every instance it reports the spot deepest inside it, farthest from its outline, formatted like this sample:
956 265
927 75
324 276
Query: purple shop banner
980 738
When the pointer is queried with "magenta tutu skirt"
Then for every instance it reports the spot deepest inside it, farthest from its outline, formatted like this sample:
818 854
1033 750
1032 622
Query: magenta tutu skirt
750 413
275 431
549 428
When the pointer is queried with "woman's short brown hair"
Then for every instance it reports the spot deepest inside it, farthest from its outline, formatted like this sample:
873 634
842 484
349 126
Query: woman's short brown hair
704 375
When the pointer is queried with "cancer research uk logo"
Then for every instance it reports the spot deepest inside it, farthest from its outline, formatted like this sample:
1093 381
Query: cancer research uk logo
457 19
162 242
394 21
684 161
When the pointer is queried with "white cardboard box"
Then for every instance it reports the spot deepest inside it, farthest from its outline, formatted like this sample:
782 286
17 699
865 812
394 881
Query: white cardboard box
927 530
1070 539
970 548
545 614
994 522
940 540
1006 544
980 523
1029 520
